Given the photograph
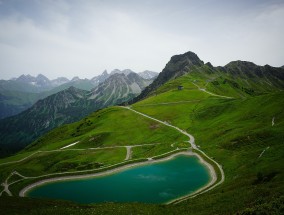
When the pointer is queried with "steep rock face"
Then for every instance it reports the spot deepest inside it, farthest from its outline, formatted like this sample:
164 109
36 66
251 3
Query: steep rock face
100 78
244 69
125 71
148 74
118 88
176 67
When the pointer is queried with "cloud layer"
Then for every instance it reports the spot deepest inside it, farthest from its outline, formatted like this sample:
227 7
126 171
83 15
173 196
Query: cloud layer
69 38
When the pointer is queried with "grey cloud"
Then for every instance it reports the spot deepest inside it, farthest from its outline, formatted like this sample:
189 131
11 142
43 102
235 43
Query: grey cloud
69 38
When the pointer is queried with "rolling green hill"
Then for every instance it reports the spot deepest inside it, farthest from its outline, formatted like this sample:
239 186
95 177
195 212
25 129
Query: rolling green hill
235 114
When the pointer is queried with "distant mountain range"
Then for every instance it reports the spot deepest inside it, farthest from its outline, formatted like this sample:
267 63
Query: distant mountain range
118 88
67 106
18 94
40 83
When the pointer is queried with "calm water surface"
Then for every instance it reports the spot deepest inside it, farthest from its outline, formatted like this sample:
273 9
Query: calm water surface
154 183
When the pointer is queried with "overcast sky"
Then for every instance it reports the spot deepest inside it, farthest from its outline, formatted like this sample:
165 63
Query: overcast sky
83 38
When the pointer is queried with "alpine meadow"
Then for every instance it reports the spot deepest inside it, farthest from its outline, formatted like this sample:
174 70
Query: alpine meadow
190 138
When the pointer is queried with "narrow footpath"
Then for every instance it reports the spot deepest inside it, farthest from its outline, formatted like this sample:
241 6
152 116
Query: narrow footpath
193 145
212 94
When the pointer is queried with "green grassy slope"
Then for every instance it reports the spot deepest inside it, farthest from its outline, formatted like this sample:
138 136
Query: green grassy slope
237 133
111 127
114 126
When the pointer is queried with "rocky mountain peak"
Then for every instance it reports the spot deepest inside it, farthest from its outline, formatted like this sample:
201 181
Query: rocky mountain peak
105 73
148 74
190 57
176 67
125 71
76 78
240 63
41 77
100 78
42 81
115 71
209 64
26 78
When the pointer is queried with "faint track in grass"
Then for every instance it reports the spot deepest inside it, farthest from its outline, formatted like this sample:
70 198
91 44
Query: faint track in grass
212 94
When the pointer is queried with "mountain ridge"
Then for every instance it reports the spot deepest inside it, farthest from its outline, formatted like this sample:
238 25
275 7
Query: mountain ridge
189 61
18 94
173 69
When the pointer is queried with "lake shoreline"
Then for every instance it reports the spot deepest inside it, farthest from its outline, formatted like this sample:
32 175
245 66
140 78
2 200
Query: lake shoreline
209 167
213 180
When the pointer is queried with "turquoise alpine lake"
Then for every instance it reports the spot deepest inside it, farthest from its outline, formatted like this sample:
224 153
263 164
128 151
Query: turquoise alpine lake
151 183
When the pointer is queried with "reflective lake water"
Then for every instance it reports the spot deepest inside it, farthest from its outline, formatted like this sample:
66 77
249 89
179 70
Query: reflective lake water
150 183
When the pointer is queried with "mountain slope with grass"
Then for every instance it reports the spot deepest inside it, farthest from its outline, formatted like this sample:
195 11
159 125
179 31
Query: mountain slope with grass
236 121
66 106
238 134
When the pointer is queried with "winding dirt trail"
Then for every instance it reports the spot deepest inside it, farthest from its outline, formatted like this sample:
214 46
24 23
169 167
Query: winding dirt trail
193 145
6 189
212 94
6 183
191 140
68 149
128 152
